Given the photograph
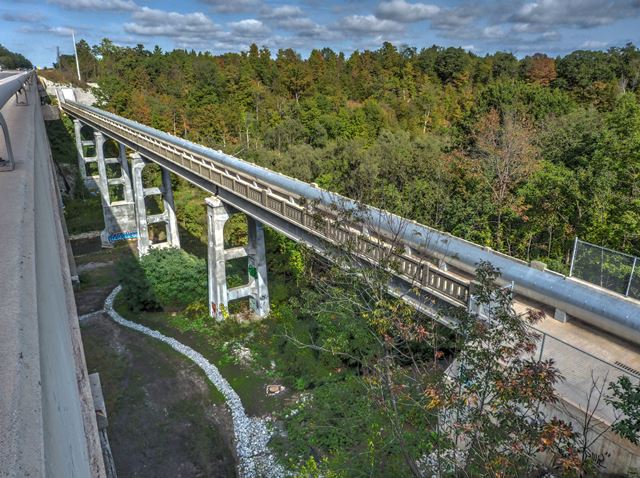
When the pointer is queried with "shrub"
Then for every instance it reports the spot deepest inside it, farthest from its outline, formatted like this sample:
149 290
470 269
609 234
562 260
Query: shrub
163 279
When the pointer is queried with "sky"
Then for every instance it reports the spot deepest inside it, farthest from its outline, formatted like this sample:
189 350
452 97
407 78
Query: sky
36 27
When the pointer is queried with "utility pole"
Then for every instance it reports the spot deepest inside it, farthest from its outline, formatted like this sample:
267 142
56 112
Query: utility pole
75 50
58 57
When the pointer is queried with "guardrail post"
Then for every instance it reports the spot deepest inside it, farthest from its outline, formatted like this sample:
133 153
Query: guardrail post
258 268
9 163
633 270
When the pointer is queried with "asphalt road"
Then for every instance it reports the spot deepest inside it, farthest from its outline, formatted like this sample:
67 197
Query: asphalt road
7 73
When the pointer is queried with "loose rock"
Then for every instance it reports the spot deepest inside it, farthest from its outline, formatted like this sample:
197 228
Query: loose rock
252 436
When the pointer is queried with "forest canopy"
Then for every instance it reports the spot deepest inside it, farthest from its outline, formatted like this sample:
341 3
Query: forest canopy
10 60
520 155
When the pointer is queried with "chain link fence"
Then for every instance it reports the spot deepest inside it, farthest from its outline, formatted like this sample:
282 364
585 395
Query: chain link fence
613 270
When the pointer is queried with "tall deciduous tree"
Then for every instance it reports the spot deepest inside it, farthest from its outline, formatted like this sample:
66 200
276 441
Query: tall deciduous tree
504 155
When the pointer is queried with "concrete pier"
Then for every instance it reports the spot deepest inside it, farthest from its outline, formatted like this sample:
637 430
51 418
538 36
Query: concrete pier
256 287
144 220
90 181
119 214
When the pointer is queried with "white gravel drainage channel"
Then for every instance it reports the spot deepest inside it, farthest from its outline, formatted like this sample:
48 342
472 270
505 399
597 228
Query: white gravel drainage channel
251 434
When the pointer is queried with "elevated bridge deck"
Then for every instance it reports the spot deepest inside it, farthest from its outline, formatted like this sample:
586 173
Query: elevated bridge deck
47 418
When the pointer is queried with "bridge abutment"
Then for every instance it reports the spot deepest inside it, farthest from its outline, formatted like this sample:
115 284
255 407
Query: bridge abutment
256 288
144 220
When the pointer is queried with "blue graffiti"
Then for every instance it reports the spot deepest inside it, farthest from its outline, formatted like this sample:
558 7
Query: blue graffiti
121 236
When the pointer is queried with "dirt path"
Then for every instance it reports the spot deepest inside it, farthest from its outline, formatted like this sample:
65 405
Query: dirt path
164 418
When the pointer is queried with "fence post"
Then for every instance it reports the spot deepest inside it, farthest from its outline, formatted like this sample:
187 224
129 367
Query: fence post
573 255
633 270
544 337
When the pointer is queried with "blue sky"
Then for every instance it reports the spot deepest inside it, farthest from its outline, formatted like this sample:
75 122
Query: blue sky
36 27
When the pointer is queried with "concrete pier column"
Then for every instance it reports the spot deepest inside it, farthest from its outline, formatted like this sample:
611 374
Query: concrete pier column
103 187
257 255
77 128
217 216
144 220
90 181
137 165
119 213
126 174
173 238
256 287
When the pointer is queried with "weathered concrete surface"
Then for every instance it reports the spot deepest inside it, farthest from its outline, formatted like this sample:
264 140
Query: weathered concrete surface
256 289
47 420
144 220
21 440
119 215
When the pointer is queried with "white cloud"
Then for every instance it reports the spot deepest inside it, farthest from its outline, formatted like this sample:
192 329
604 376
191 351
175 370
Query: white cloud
594 44
42 28
152 22
368 24
31 17
493 32
576 13
123 5
234 6
405 12
284 11
249 28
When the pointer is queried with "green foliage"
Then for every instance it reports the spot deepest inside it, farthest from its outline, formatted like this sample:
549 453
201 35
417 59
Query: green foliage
164 278
11 60
390 127
625 397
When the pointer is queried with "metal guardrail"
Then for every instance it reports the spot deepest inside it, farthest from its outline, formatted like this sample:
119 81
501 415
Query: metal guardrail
377 233
313 217
10 86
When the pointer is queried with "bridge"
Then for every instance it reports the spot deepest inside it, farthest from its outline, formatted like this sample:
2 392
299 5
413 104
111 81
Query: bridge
47 413
589 331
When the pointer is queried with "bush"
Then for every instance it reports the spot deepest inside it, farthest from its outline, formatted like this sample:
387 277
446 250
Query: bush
163 279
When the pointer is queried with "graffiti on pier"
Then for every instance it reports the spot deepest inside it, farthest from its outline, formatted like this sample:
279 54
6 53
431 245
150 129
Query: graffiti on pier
122 236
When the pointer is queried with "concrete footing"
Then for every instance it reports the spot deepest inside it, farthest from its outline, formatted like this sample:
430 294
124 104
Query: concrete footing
256 288
144 220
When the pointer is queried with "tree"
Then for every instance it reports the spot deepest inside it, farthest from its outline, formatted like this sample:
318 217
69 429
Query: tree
492 400
504 155
540 69
10 60
625 397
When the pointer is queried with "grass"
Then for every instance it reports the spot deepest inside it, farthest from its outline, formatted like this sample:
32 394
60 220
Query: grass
247 381
63 147
83 214
121 249
131 380
98 277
